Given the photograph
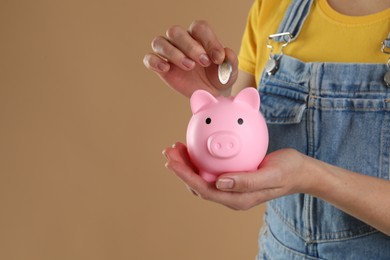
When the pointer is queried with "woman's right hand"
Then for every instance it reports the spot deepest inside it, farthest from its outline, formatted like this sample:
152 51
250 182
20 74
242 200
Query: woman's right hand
188 60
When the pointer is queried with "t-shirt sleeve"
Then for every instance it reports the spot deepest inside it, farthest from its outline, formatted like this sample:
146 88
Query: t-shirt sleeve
247 53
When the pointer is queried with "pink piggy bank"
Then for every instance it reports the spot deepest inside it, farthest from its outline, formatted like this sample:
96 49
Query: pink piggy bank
226 134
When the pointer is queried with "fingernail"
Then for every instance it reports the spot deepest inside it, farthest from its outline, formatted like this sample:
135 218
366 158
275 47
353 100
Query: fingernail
189 64
164 152
225 183
204 59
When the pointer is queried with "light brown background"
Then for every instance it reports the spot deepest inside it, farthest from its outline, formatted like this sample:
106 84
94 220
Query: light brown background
82 127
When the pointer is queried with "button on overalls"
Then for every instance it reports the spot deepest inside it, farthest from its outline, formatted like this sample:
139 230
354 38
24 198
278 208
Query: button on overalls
335 112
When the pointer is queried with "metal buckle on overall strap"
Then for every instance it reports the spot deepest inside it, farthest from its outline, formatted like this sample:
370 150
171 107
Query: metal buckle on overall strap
386 50
272 64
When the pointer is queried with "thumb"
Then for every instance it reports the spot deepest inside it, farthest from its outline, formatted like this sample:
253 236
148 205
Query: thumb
247 181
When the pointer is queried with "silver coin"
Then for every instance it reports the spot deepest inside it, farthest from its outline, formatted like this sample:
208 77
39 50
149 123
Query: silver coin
387 78
225 71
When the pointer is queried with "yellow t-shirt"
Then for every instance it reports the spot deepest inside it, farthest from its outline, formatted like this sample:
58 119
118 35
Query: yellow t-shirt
326 36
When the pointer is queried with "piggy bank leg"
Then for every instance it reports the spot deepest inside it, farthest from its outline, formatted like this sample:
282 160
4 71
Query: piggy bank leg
209 177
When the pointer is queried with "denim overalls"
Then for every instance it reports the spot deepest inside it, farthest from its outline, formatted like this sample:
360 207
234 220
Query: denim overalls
338 113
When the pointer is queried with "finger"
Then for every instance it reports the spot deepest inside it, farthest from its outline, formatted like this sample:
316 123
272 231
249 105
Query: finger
191 190
207 191
164 48
249 182
189 177
182 151
190 47
156 63
177 162
202 32
232 57
178 152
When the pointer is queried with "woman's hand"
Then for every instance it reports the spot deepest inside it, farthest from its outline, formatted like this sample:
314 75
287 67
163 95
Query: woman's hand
188 60
281 173
286 172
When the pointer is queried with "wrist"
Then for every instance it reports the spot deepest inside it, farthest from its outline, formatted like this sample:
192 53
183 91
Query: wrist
317 177
309 179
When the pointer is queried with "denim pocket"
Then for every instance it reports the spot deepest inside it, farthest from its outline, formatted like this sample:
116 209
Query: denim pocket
280 105
283 106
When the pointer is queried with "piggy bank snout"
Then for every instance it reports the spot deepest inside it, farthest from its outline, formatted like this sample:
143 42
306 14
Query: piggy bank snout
224 144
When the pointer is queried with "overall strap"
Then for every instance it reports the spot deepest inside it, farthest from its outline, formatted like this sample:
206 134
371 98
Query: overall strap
294 19
387 41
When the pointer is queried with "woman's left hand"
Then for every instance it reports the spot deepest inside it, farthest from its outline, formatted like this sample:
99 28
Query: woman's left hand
287 172
280 173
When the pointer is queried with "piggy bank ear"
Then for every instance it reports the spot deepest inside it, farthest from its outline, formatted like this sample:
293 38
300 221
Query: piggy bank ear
199 99
249 96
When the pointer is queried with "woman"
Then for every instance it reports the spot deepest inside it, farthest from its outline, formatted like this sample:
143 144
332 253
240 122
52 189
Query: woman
325 96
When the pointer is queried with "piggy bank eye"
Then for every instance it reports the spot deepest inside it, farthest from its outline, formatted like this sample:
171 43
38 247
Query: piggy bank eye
208 120
240 121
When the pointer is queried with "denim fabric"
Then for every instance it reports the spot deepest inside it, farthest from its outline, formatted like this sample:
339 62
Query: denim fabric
294 18
338 113
284 243
387 41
